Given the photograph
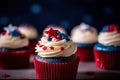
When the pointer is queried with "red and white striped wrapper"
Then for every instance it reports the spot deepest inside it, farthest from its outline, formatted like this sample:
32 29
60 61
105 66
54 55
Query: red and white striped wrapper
63 70
85 54
14 60
107 60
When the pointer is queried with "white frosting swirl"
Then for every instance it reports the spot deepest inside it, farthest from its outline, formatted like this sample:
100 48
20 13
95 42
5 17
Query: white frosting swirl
79 34
69 48
7 41
29 31
109 38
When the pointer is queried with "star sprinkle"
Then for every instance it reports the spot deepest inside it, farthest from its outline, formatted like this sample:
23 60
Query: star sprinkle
10 28
51 33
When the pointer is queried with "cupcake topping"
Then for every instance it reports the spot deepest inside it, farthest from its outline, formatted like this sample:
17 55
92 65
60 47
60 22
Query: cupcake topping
110 35
28 30
110 28
55 44
55 27
12 38
85 27
12 31
55 35
84 34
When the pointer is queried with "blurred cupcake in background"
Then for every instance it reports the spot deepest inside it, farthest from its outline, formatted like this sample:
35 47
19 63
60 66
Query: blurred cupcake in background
85 36
31 33
56 57
107 50
14 52
56 27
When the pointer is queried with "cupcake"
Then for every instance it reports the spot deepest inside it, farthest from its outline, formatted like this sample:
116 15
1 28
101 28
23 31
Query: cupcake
55 57
56 27
14 52
31 33
107 50
85 36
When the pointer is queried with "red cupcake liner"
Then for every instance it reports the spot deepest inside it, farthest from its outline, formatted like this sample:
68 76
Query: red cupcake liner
85 54
64 70
107 60
14 60
32 46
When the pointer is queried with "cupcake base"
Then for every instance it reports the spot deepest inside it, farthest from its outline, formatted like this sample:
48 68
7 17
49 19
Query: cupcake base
63 70
107 60
85 54
14 60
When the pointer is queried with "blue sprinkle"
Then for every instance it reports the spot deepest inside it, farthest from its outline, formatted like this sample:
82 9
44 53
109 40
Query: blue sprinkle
14 33
105 28
64 36
58 32
49 39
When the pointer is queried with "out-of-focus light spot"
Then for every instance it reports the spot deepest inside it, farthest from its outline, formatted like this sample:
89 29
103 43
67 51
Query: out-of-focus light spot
65 24
87 18
108 10
4 20
36 8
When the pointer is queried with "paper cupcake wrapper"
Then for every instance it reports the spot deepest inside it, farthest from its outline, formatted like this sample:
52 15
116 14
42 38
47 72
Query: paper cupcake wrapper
64 70
85 54
107 60
32 47
14 60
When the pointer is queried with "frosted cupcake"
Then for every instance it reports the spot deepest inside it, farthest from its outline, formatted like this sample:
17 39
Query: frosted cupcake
56 57
107 50
14 51
31 33
85 36
56 27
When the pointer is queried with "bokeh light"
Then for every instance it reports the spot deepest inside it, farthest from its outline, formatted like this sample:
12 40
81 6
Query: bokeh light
36 8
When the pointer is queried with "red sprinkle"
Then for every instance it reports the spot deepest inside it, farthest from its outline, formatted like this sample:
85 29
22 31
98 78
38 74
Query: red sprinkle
62 48
3 33
52 48
5 75
41 45
44 47
58 37
22 37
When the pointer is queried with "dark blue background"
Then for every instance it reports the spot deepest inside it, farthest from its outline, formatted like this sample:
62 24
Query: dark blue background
67 13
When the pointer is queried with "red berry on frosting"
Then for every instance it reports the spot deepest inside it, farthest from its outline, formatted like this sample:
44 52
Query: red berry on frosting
62 48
